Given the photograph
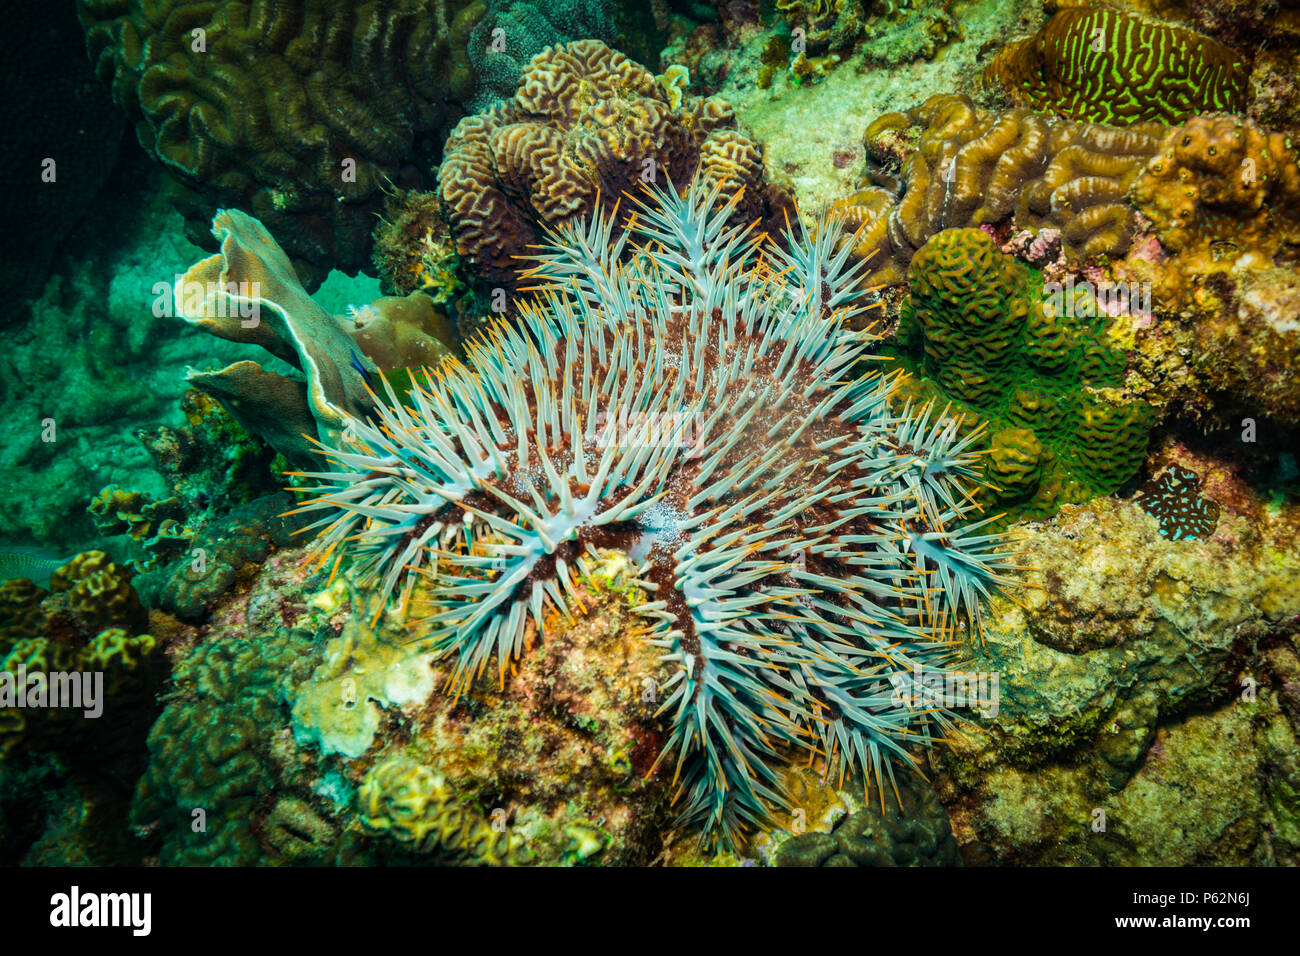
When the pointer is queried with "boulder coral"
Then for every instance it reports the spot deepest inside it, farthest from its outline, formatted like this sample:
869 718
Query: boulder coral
1147 689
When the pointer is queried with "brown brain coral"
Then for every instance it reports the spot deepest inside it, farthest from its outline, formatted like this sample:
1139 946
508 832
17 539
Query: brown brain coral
298 111
586 125
971 167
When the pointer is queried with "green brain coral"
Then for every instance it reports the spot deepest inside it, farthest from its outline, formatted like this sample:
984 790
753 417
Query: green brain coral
1108 66
980 336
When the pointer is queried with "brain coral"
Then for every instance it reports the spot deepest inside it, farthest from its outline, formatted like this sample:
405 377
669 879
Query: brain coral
982 337
299 111
691 406
586 125
970 167
415 806
827 25
209 748
1109 66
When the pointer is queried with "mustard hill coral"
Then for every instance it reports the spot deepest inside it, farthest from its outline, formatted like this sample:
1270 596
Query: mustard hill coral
1223 198
948 164
1109 66
982 337
1218 186
586 126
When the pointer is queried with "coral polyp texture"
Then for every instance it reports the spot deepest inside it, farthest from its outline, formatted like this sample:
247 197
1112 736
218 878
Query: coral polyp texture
948 164
1225 182
674 393
298 111
1174 500
982 337
586 126
1110 66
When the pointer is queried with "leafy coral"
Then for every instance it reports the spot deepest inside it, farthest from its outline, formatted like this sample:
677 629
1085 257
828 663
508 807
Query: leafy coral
982 337
696 407
299 111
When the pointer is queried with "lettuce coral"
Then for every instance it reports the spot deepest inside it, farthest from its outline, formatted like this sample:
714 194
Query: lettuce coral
248 292
414 805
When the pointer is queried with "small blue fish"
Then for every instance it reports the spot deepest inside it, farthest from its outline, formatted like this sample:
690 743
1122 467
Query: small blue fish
356 364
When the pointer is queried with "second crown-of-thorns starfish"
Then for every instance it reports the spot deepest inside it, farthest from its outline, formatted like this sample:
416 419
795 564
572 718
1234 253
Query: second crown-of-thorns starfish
676 390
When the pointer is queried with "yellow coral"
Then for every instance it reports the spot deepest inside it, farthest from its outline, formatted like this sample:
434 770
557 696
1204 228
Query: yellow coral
1220 180
414 805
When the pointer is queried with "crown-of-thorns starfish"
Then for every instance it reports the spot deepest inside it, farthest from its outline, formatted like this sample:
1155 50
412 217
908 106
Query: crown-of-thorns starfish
677 390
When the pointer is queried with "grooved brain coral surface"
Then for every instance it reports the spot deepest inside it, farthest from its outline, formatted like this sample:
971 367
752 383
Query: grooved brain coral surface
1108 66
298 111
586 126
979 335
972 167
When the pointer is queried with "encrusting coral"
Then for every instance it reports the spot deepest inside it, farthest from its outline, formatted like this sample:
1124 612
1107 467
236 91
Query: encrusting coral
1174 500
691 406
1110 66
586 126
948 164
208 464
980 335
